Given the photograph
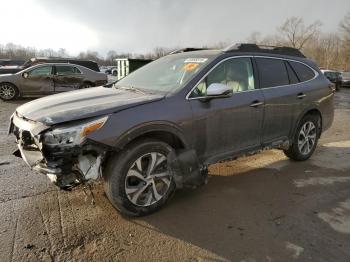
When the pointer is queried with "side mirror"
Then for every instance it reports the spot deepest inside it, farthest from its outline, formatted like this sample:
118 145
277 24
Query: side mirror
25 75
217 90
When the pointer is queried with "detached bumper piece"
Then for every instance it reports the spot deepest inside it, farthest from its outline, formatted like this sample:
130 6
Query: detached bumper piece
66 165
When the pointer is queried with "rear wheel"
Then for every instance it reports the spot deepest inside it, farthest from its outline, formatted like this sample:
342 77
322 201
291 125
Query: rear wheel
86 85
8 91
306 138
138 180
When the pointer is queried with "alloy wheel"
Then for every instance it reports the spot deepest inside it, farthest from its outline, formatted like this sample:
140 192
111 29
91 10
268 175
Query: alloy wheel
307 138
148 179
7 92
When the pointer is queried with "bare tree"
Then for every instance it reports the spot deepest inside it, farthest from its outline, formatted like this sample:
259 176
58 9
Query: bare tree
345 28
296 34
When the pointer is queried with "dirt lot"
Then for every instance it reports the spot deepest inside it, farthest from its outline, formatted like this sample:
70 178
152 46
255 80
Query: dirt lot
259 208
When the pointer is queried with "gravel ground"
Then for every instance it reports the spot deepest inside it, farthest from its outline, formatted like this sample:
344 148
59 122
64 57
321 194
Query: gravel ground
258 208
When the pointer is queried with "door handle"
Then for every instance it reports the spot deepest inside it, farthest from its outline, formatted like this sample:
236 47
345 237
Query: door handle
301 95
256 104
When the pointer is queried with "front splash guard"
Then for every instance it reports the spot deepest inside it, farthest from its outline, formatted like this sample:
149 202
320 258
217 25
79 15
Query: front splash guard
186 169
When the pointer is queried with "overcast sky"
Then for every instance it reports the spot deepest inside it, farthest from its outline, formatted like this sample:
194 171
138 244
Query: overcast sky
140 25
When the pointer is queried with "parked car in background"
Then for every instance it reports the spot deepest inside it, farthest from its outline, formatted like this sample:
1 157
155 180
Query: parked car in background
46 79
334 77
159 128
108 69
11 62
345 79
41 60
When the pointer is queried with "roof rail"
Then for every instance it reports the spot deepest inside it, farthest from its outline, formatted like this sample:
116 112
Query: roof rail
187 49
280 50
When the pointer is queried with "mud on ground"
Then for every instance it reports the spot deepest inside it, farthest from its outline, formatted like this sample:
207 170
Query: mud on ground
258 208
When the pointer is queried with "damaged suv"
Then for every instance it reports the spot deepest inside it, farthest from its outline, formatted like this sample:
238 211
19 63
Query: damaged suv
160 127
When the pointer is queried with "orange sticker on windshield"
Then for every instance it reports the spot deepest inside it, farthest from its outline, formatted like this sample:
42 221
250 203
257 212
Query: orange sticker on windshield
190 66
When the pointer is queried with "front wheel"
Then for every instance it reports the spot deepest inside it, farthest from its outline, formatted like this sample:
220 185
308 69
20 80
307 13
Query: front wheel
8 91
138 180
305 139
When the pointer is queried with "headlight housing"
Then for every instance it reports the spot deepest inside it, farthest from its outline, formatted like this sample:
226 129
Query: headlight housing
73 133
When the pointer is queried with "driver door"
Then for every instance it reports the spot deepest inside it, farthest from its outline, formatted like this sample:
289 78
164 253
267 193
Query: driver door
38 81
228 125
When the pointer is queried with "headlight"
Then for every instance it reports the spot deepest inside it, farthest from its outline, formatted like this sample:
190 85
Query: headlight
73 133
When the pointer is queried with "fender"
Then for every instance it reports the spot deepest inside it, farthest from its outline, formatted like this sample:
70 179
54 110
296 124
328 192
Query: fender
313 106
154 126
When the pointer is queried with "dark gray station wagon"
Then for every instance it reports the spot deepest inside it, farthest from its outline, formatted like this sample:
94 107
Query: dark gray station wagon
161 126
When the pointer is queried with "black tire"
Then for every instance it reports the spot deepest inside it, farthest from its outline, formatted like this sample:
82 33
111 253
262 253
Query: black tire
8 91
115 175
86 85
114 73
294 152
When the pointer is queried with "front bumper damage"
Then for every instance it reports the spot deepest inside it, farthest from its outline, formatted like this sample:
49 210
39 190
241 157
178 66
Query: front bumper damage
67 165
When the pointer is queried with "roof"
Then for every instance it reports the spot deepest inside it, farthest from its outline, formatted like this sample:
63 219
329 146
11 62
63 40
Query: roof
248 48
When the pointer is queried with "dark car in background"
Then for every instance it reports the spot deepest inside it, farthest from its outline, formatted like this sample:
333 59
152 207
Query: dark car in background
158 128
334 77
41 60
11 62
46 79
345 79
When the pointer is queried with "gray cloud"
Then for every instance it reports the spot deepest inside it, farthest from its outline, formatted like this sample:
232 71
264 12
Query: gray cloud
141 25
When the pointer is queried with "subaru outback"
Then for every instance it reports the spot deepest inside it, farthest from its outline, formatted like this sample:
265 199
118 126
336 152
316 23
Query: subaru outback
159 128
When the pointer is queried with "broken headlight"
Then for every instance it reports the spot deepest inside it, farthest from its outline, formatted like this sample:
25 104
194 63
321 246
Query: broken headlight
73 133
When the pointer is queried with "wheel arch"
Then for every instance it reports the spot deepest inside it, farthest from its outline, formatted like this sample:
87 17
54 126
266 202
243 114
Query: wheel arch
166 132
309 111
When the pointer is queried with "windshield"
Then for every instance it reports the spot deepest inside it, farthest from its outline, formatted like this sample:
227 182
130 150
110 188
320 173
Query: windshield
346 74
166 74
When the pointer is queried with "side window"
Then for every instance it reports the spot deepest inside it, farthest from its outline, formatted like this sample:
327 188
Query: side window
40 71
273 72
237 73
67 70
293 79
304 73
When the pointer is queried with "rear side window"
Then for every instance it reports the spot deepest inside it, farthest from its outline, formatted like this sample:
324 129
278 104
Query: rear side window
67 70
293 79
273 72
304 73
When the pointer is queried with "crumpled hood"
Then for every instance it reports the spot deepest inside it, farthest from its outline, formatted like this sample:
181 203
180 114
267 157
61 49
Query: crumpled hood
82 104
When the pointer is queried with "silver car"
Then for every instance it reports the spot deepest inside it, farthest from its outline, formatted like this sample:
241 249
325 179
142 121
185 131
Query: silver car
46 79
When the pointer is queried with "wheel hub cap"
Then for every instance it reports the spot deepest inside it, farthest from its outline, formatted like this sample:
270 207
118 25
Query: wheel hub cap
307 138
148 179
7 92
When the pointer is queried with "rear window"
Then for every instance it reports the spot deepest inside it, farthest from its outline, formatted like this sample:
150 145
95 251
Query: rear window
273 72
304 73
67 70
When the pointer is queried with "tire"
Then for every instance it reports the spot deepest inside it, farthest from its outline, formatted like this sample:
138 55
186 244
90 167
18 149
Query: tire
114 73
130 194
86 85
8 91
303 146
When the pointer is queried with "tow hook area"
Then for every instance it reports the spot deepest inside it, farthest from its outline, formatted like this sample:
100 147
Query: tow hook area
87 168
186 169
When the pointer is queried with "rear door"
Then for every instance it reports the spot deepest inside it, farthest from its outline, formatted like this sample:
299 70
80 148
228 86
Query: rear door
39 81
308 92
67 78
227 125
280 99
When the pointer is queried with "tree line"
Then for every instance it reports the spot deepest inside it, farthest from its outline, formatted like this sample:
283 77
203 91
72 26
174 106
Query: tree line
328 49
